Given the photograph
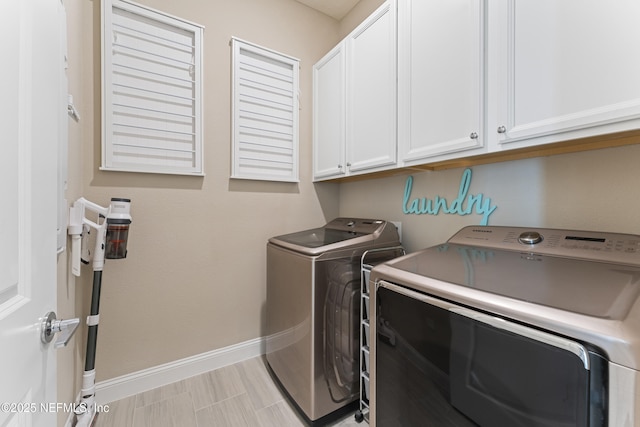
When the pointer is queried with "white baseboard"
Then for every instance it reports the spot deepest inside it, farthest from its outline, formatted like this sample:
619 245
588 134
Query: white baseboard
128 385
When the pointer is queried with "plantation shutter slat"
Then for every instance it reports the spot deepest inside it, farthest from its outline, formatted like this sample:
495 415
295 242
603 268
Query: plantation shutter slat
265 114
152 90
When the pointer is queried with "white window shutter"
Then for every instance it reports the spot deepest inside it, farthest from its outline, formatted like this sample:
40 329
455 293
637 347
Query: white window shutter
151 91
265 114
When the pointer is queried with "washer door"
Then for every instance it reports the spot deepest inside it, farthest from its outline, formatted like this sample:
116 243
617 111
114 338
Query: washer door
341 341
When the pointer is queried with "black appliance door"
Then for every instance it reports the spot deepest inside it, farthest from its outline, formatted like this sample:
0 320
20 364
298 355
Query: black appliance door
439 364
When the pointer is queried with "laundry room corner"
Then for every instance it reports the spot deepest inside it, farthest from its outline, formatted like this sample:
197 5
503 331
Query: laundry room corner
193 280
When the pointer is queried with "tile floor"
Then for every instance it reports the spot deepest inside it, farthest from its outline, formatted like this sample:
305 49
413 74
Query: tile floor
238 395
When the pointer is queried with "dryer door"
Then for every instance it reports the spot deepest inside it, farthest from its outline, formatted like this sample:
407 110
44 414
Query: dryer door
439 362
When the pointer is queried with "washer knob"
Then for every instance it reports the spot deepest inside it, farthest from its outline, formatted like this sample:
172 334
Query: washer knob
530 237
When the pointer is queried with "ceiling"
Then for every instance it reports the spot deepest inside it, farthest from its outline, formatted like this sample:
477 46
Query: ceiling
336 9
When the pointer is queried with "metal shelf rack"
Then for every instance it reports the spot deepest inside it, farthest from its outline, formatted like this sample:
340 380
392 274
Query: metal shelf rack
369 259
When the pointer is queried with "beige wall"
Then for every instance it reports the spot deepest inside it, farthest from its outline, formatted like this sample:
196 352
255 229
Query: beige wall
72 292
194 279
356 15
595 190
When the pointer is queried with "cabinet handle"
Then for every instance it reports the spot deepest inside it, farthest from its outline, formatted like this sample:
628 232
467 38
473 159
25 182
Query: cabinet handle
474 135
502 129
348 164
339 166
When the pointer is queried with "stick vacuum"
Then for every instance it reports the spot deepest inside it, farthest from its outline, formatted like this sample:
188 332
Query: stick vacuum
112 232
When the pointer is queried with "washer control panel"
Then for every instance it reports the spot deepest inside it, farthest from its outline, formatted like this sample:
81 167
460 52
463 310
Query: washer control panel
599 246
356 225
530 237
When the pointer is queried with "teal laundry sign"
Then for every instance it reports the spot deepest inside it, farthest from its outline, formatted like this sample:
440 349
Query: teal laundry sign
463 204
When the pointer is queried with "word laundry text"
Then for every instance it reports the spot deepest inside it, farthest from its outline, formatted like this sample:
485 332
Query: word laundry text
461 205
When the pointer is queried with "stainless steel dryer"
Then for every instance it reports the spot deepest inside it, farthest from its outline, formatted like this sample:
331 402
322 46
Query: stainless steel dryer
508 326
313 311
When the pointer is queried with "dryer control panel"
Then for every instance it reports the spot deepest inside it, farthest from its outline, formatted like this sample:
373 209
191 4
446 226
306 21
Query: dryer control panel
593 245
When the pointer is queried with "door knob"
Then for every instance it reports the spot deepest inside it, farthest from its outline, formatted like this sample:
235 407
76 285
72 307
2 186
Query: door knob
51 325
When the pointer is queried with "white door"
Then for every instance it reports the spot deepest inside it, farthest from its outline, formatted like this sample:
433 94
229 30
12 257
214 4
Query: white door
29 113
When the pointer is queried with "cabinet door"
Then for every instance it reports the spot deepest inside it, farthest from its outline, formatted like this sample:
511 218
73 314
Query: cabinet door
440 78
371 91
329 115
565 69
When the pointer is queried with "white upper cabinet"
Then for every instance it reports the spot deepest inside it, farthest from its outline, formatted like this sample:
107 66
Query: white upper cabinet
562 70
371 91
475 77
329 76
354 100
441 48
